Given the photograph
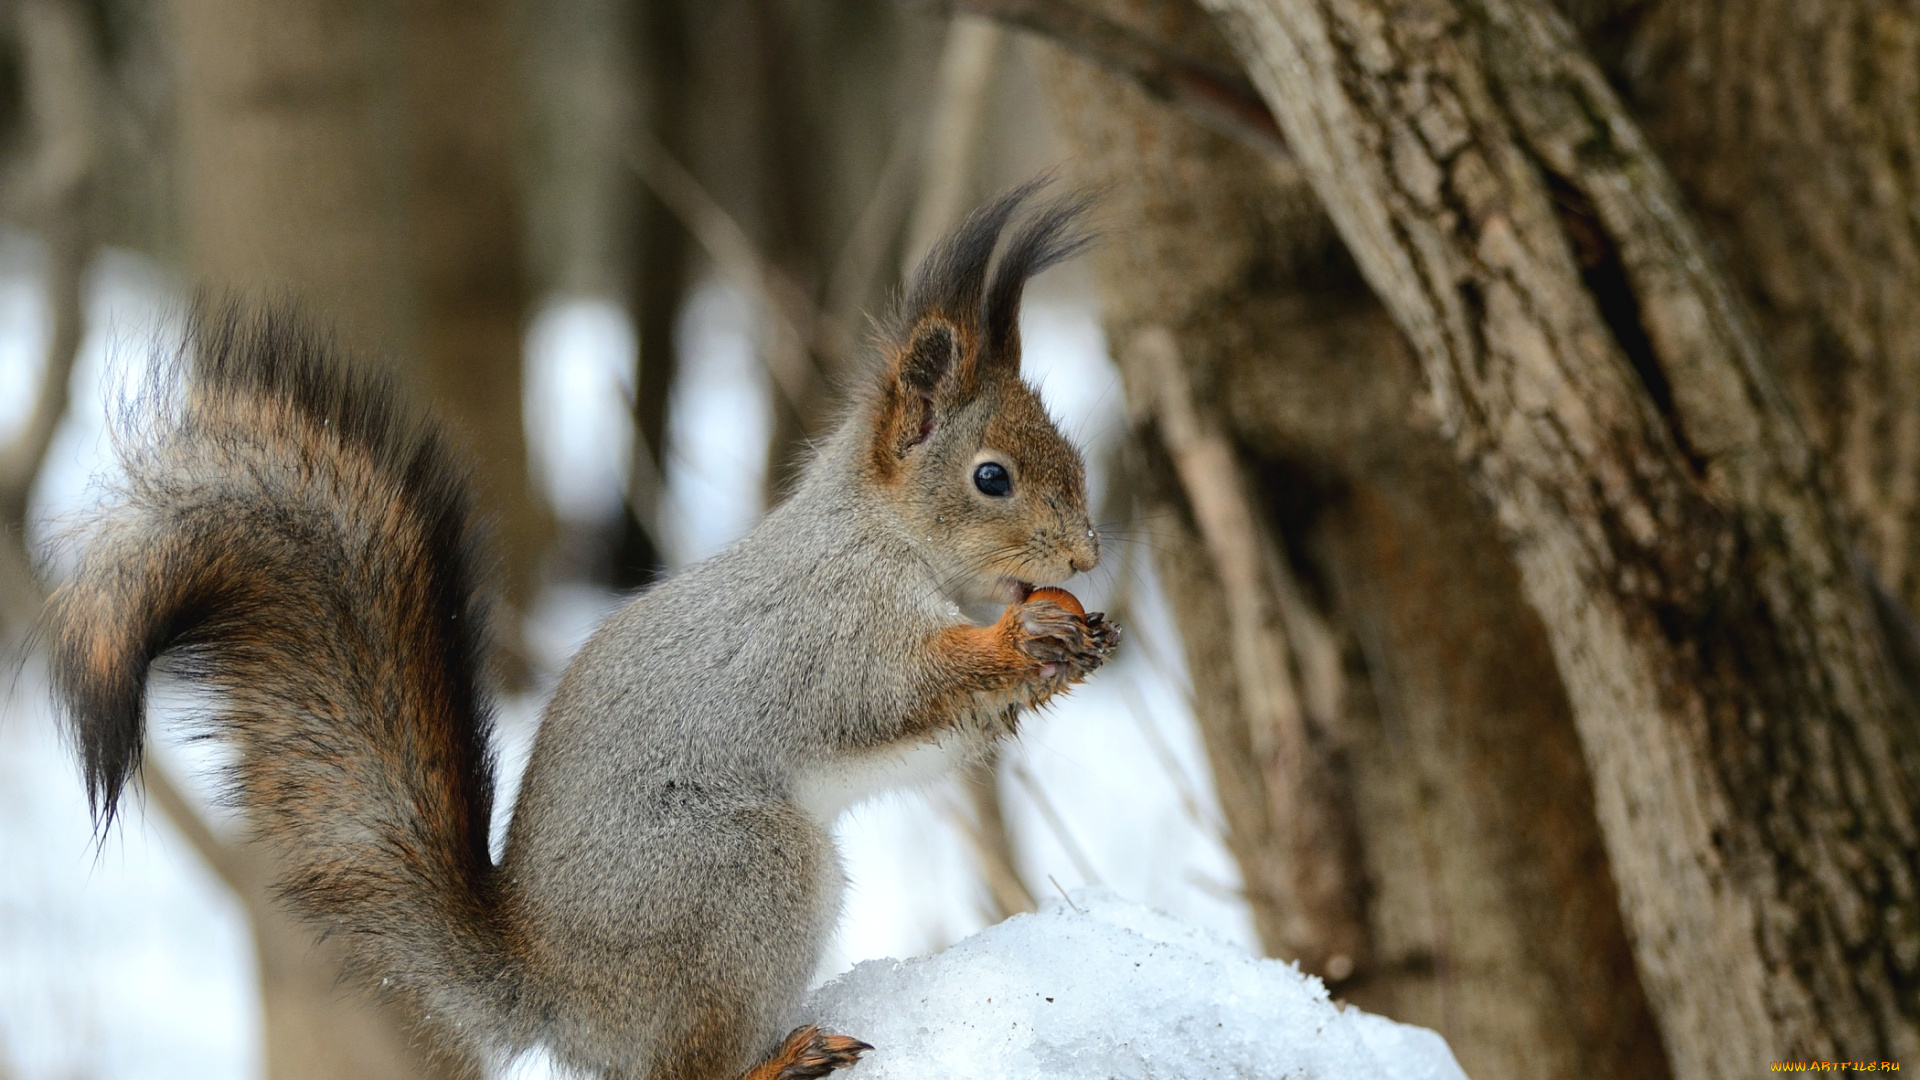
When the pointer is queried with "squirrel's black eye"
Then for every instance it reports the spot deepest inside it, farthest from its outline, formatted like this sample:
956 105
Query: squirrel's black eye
992 478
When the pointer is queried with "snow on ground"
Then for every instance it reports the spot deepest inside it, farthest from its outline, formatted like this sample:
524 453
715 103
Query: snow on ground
1101 988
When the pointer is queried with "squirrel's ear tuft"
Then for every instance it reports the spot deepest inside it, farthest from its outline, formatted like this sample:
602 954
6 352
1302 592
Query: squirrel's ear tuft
952 283
951 280
1050 236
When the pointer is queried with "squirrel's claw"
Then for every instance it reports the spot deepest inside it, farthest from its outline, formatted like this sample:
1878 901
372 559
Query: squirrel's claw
1106 635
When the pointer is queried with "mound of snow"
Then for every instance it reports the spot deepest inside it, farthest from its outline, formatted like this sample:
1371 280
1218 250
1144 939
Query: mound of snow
1110 990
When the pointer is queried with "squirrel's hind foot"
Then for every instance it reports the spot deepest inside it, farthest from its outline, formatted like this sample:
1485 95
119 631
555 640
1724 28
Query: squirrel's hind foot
808 1054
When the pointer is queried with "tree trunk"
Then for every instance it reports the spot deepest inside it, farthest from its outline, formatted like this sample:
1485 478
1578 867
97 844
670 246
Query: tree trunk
1490 911
1794 130
1287 685
796 103
463 253
291 173
949 161
658 286
1754 766
360 156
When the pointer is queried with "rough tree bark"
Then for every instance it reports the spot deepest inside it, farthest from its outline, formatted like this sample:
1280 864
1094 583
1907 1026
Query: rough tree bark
1794 130
1490 910
1754 765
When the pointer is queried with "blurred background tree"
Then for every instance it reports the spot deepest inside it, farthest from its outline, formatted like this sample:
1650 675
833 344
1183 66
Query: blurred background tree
1523 419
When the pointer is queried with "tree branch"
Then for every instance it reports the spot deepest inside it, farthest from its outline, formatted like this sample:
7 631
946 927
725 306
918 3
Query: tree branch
949 159
951 150
63 90
1287 670
799 323
986 829
1221 101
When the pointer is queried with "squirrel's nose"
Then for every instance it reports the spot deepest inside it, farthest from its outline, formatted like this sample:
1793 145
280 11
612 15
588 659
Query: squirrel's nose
1088 555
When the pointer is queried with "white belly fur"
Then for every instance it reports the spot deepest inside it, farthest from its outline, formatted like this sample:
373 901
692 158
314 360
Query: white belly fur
824 792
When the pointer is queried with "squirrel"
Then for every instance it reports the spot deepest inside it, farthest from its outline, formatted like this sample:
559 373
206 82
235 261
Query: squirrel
291 537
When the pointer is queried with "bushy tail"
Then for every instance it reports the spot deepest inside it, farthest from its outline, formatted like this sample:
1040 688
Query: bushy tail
292 538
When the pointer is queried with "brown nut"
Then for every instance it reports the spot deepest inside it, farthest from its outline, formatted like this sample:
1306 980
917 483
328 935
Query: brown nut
1059 596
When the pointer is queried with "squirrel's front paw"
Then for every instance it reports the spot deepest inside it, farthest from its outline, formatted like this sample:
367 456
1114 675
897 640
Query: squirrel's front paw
1068 645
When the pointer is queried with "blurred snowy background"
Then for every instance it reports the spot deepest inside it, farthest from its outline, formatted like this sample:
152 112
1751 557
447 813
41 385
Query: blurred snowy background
132 960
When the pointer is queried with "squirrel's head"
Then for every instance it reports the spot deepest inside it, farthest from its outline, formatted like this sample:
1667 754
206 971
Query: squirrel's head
977 468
